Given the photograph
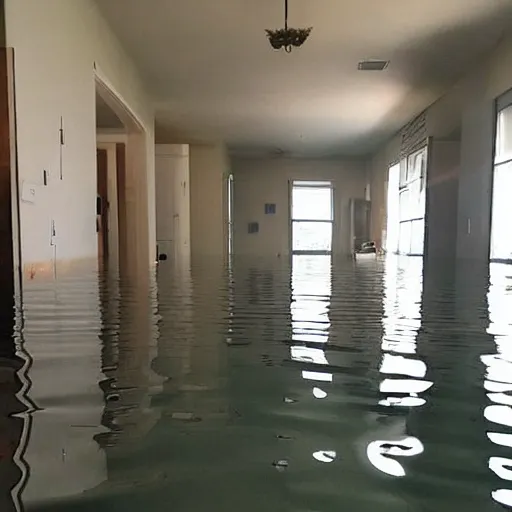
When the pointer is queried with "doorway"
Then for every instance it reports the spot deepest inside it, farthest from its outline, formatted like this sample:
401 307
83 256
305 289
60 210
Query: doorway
112 134
312 217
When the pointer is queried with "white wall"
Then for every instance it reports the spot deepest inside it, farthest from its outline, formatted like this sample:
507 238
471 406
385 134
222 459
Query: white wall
172 171
65 351
467 108
57 43
260 181
209 169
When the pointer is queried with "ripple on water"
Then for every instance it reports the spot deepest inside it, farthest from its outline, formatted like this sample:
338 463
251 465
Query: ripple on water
365 385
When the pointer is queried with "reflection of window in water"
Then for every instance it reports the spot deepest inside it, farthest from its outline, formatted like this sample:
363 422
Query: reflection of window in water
381 453
498 379
311 296
403 373
402 320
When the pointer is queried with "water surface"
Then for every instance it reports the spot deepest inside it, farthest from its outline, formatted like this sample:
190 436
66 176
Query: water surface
304 386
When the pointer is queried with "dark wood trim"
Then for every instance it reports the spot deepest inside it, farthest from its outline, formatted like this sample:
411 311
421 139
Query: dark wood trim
2 24
6 226
121 202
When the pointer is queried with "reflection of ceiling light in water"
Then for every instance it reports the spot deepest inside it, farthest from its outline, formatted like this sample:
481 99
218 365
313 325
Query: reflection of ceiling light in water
286 37
319 393
404 386
500 414
324 456
322 377
501 439
407 401
503 496
308 355
378 454
403 366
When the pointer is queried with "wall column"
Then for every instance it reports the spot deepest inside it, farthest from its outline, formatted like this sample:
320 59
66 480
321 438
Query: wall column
208 202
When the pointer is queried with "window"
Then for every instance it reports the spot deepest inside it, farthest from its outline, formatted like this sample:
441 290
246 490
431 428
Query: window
501 233
412 203
393 210
312 217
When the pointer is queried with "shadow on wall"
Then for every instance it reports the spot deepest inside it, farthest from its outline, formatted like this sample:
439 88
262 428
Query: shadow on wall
417 65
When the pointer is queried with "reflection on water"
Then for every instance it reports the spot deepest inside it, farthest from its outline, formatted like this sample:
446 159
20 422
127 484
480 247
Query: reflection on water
296 385
498 383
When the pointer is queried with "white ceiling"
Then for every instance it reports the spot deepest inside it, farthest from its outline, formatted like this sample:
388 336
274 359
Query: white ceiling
214 75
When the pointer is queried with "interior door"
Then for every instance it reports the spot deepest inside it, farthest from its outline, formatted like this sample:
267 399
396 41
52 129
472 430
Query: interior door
102 204
360 222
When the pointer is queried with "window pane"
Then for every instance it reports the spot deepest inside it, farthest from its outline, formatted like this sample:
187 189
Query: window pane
312 236
417 236
403 172
405 208
416 165
501 235
311 203
504 135
393 211
415 200
404 244
422 201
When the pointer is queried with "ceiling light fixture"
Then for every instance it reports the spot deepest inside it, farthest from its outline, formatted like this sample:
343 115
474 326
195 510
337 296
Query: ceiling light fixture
286 37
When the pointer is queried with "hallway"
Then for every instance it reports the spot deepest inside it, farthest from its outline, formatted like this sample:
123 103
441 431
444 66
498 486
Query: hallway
272 270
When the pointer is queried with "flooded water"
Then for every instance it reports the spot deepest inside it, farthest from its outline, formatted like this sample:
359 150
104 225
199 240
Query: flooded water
268 386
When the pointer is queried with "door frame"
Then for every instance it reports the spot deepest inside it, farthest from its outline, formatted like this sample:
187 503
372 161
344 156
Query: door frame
110 143
11 162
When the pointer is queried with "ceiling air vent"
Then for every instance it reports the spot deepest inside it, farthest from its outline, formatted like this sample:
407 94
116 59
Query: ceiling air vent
373 65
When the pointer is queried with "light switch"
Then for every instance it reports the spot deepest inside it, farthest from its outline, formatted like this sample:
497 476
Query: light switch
28 192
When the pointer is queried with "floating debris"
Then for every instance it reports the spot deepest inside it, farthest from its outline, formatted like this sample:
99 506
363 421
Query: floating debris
184 416
280 465
193 387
